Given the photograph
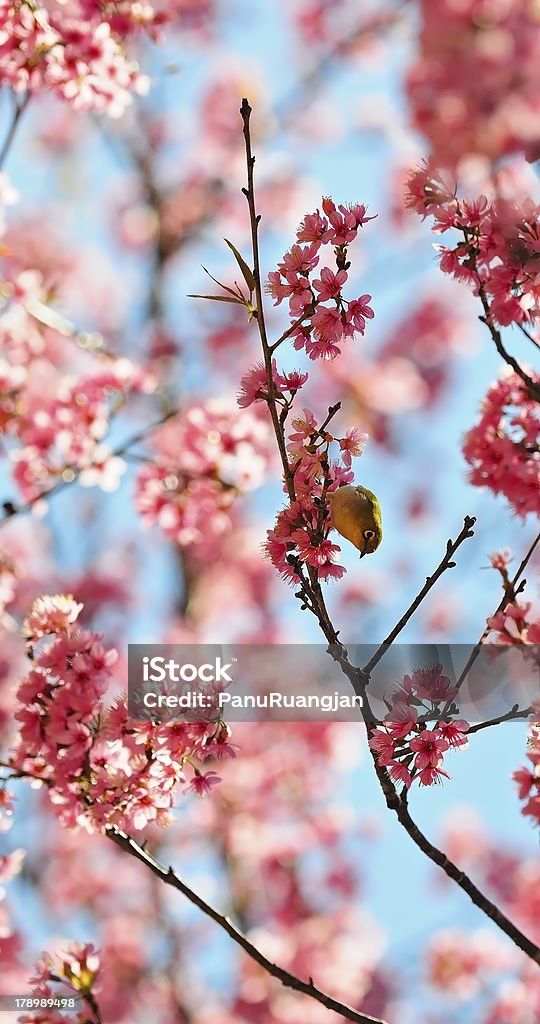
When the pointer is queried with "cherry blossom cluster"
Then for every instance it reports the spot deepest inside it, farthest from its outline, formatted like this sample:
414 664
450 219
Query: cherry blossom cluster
503 447
301 534
100 769
82 61
57 399
254 386
497 249
74 977
326 318
460 964
334 25
202 460
294 773
60 434
475 85
129 16
512 625
528 778
405 744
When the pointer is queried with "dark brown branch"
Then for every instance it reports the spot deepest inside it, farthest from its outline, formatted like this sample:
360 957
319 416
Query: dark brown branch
515 714
332 410
313 588
290 330
311 596
254 219
509 595
533 387
169 877
93 1004
399 806
445 563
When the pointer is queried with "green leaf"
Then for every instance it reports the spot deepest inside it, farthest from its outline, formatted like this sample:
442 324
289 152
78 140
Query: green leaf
247 273
218 298
221 285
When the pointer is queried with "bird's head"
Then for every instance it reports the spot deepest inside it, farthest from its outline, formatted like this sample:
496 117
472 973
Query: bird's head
370 540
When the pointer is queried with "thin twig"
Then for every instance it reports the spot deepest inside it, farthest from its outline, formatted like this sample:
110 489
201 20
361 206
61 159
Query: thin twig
509 595
169 876
290 330
515 714
533 386
92 1003
445 563
529 335
254 219
332 410
312 590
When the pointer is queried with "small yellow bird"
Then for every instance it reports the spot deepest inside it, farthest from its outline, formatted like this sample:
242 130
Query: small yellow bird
356 514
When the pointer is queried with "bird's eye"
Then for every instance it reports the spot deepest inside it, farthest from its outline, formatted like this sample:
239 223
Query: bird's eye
369 534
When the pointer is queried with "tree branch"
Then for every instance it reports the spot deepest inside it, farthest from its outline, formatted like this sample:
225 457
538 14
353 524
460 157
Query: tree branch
509 595
515 714
532 386
169 877
399 806
94 1007
311 595
313 592
529 335
445 563
254 219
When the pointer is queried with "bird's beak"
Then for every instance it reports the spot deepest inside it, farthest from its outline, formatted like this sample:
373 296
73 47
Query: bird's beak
363 551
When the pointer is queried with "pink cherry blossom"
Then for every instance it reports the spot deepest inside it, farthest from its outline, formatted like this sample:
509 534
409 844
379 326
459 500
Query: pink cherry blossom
329 284
202 782
429 747
204 458
352 445
81 60
500 448
99 769
322 327
474 84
